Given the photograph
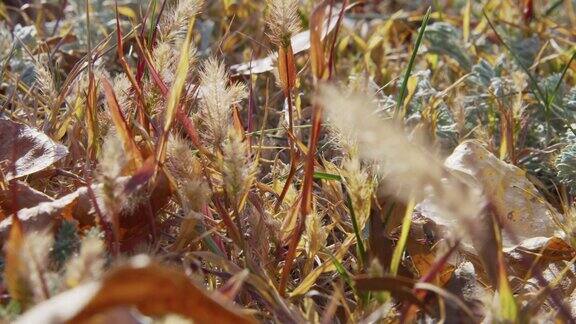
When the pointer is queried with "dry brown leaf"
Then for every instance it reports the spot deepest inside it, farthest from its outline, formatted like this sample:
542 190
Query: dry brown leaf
549 248
154 289
537 252
80 206
41 216
317 54
26 197
286 68
29 149
424 252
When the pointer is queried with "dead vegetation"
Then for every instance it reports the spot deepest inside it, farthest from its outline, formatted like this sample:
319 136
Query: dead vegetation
292 161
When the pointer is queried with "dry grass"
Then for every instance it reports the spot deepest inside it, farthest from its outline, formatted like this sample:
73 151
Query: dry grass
288 161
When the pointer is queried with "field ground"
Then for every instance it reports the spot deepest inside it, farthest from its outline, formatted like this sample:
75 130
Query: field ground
290 161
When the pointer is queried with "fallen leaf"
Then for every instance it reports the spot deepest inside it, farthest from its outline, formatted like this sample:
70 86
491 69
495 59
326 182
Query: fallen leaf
521 209
537 252
26 197
42 215
424 259
29 150
153 289
80 206
549 248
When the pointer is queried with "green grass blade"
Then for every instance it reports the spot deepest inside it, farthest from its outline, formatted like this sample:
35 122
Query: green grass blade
553 7
326 176
557 87
359 240
363 296
536 90
404 86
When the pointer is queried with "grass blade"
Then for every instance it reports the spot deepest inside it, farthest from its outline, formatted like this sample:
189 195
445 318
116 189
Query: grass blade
404 86
557 87
399 250
535 87
175 94
359 240
326 176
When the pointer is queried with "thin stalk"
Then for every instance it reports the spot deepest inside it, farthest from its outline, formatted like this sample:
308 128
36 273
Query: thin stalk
289 178
306 198
535 88
91 100
290 117
293 155
557 87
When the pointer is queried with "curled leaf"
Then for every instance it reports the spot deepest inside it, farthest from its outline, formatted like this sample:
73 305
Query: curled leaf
26 197
28 151
519 206
80 206
153 289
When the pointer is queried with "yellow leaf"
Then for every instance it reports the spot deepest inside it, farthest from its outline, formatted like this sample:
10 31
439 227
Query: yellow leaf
466 21
412 85
13 272
127 11
175 92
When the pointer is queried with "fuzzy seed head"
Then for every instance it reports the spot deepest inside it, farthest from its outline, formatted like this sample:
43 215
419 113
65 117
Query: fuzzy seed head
89 263
174 25
113 157
236 167
218 96
282 21
123 91
315 236
35 253
407 169
361 186
165 60
187 170
44 79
